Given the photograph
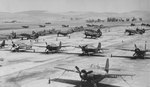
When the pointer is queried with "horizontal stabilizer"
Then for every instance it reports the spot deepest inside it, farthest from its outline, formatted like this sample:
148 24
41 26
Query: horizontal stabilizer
118 75
113 69
69 70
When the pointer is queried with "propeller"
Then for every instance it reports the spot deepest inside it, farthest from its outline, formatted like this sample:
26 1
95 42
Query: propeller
13 44
84 70
77 69
46 46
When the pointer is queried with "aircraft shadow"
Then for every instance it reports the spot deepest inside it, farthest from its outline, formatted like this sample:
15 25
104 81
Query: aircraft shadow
131 57
78 83
80 54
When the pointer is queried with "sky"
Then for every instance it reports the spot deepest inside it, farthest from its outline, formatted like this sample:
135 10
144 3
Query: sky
74 5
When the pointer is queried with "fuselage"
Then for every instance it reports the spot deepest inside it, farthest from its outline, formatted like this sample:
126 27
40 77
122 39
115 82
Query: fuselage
53 48
19 47
93 76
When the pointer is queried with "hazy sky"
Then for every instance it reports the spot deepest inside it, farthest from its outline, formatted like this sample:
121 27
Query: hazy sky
74 5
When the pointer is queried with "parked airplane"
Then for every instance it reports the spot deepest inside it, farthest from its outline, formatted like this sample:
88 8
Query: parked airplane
64 33
90 50
53 48
92 77
14 35
42 25
137 31
19 47
138 53
25 26
65 25
29 36
92 33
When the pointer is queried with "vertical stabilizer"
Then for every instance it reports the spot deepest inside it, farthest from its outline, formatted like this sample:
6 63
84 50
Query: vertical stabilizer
99 46
135 46
60 44
107 66
145 45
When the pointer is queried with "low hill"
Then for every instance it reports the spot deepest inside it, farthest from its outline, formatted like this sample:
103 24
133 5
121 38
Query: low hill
40 15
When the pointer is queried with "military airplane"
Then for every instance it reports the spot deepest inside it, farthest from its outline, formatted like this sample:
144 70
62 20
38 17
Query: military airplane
25 26
147 25
138 53
93 77
132 32
29 36
14 35
65 25
64 33
20 47
92 33
53 48
90 50
132 24
42 25
48 23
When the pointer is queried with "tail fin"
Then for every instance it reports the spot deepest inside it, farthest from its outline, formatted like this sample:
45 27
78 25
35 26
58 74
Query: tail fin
107 66
135 46
60 44
99 46
145 45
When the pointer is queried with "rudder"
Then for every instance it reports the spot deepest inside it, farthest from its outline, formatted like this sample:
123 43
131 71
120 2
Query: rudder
107 66
60 44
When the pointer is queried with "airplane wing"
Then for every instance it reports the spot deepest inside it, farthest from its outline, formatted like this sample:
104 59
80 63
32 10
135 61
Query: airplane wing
131 57
45 46
78 83
147 50
104 49
80 54
113 69
118 75
147 29
69 70
39 46
66 46
127 49
68 81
